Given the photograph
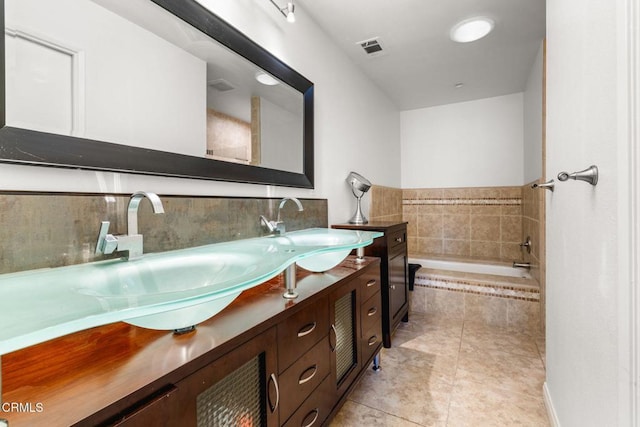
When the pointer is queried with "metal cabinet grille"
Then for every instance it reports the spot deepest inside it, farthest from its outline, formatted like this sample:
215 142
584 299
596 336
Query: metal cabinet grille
345 341
236 399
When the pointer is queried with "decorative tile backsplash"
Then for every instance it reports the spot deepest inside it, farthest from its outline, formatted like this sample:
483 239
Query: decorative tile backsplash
480 223
42 230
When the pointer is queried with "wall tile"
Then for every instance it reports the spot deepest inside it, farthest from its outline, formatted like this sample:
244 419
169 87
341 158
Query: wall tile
450 304
485 250
430 226
485 217
485 227
52 229
459 248
485 310
456 227
511 229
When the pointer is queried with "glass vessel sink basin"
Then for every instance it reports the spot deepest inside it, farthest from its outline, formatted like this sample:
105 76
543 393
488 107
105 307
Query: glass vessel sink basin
170 290
161 275
321 238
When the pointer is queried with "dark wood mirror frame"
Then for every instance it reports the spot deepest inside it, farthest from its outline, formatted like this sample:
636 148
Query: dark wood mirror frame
23 146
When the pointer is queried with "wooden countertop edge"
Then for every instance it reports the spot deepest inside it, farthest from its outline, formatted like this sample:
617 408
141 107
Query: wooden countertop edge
73 379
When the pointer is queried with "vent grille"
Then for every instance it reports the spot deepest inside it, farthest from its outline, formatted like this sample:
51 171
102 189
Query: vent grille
221 85
371 46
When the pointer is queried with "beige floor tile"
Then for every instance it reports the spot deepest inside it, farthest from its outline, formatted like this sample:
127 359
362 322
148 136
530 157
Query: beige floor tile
425 322
483 339
354 414
406 392
505 371
436 342
441 366
443 372
480 405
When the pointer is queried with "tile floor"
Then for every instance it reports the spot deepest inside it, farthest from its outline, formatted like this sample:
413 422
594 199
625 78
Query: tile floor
447 372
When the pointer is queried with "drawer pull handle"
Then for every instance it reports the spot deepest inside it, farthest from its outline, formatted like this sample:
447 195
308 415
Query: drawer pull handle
373 340
371 282
306 329
275 383
312 422
399 239
372 311
303 379
335 339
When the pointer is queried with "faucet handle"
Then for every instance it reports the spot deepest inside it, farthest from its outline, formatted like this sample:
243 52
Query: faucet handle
107 243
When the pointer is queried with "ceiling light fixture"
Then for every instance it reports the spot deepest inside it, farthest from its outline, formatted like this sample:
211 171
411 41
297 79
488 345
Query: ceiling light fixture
471 29
266 79
287 12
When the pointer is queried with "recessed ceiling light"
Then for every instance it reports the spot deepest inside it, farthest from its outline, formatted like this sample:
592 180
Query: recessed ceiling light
266 79
472 29
458 85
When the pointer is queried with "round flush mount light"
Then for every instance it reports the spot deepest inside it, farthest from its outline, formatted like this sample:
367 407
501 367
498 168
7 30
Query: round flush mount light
266 79
471 29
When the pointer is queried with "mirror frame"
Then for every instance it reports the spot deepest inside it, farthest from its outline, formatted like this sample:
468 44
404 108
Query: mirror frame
28 147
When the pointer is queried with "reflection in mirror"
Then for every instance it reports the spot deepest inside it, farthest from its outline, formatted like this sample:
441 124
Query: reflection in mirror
131 73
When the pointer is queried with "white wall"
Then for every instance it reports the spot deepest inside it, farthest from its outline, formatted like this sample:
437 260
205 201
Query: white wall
468 144
356 126
532 104
589 293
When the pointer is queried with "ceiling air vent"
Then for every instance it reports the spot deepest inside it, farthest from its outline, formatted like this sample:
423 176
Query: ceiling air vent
221 85
371 46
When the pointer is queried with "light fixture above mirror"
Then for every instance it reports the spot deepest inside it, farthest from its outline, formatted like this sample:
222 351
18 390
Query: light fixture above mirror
288 11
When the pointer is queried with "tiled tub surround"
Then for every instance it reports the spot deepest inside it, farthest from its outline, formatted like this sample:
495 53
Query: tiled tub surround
386 204
492 300
42 230
480 223
533 225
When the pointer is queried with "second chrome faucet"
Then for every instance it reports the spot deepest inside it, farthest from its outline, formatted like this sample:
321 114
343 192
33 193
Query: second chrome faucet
278 226
132 242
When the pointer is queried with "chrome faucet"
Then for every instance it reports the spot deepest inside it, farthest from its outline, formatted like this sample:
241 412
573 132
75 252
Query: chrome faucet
131 242
277 226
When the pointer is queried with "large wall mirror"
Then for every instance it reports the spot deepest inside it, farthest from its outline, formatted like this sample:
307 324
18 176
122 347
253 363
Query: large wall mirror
158 87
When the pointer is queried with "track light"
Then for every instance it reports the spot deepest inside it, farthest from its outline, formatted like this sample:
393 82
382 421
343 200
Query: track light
287 12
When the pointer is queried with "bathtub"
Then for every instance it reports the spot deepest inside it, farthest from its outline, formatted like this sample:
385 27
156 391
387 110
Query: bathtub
487 293
472 267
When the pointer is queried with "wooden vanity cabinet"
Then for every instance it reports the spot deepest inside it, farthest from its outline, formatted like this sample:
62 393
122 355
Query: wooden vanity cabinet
238 389
264 360
394 271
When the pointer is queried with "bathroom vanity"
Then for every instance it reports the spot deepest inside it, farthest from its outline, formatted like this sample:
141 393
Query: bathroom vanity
263 360
392 250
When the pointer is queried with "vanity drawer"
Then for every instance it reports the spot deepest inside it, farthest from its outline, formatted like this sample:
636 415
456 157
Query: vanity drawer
371 342
302 331
397 241
301 378
369 284
315 410
371 312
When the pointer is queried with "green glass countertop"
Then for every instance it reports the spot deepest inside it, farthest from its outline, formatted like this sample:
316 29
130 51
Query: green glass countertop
168 290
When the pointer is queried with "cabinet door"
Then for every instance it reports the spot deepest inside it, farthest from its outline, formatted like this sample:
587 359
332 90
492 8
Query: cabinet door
398 276
239 389
343 336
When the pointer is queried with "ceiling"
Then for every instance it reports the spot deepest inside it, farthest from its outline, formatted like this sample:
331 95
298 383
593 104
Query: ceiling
419 65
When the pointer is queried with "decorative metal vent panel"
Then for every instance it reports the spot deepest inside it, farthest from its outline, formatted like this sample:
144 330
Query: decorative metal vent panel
235 400
345 345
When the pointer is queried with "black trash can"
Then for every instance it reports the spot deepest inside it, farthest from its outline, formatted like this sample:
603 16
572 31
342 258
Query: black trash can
412 274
